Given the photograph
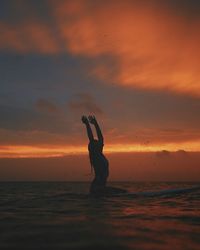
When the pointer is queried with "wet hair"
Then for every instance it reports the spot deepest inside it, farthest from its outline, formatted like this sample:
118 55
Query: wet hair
94 147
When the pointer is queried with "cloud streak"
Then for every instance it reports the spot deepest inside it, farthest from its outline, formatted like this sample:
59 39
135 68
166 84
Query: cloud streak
47 106
85 102
153 45
28 37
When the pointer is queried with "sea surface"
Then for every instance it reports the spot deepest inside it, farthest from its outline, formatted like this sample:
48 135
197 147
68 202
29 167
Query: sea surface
60 215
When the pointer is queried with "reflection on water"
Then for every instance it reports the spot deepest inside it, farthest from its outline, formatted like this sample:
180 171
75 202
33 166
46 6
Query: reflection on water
62 216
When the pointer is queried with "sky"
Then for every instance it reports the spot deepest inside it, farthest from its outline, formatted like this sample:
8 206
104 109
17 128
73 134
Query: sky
132 63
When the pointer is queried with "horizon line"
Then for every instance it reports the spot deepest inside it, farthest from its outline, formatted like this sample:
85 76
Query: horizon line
54 151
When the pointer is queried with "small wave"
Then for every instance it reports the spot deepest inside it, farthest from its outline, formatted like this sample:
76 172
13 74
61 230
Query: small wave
160 193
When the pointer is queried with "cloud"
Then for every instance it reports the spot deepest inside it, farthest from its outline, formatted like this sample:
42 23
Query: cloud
21 119
153 45
163 154
167 154
182 152
29 36
84 102
172 131
47 106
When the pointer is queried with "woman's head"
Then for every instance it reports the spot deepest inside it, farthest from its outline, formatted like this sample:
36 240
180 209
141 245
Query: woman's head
95 147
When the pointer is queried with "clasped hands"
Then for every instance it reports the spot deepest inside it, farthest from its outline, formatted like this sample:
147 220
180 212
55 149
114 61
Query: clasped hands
90 118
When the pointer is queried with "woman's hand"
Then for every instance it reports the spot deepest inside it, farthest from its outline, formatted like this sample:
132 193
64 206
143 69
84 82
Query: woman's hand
92 119
84 119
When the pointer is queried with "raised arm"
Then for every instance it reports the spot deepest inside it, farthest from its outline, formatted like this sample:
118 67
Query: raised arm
93 120
88 128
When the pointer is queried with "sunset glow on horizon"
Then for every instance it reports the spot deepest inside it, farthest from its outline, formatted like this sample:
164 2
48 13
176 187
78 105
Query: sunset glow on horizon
19 151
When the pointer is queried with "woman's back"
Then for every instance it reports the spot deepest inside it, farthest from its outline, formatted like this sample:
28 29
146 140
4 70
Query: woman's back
98 159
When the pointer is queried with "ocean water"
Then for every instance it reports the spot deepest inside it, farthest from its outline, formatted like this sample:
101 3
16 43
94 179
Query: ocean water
60 215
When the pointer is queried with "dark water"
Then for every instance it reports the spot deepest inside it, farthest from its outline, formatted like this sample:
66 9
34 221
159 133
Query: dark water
61 216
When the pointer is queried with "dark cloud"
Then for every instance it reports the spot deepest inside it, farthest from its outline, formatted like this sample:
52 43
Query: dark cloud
47 106
172 130
84 102
187 8
163 154
182 152
21 119
167 154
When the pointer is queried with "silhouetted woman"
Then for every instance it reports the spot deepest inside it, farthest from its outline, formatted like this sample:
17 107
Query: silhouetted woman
97 159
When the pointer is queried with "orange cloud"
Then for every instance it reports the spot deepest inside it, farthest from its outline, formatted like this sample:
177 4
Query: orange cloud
153 47
28 37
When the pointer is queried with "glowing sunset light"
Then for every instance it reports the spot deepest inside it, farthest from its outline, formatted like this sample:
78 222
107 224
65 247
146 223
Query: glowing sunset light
60 151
